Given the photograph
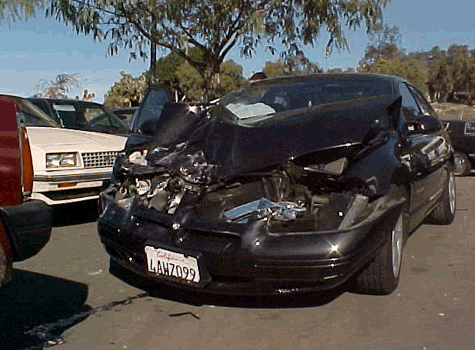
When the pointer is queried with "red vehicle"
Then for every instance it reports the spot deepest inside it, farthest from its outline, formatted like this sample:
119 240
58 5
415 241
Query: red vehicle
25 225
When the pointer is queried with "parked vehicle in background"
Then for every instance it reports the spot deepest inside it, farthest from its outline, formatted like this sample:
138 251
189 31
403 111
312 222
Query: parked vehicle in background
69 165
126 114
462 133
284 185
25 224
81 115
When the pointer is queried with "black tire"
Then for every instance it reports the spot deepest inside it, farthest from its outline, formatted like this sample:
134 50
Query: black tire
381 276
444 213
5 258
462 165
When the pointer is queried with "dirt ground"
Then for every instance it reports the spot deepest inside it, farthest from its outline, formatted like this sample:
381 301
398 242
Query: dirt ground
448 110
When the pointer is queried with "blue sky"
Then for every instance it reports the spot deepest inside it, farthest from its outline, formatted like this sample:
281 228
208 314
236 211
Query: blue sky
42 48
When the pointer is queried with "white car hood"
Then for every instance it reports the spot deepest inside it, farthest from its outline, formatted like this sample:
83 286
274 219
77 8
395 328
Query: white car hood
66 140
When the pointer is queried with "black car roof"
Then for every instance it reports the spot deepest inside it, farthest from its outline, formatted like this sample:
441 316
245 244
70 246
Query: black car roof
325 76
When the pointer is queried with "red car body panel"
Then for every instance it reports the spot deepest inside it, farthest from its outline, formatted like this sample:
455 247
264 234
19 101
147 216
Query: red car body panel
10 161
25 224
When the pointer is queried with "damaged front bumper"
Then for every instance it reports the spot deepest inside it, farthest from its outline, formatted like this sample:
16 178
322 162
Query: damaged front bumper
240 258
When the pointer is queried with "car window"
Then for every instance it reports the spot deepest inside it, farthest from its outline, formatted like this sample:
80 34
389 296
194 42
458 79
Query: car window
151 110
107 123
31 115
423 104
126 115
92 112
71 117
410 108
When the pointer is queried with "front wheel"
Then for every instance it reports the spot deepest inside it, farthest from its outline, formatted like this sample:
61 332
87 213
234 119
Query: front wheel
444 213
462 165
381 276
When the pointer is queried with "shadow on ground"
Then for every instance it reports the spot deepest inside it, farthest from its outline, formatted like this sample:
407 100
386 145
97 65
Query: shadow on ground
186 296
35 309
75 213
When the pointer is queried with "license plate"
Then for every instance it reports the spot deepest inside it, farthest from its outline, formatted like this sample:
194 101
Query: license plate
172 264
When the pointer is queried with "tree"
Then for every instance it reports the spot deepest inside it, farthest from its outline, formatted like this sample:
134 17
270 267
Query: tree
384 43
292 65
215 26
57 88
231 77
167 69
383 55
299 64
275 69
127 92
452 74
192 87
409 70
185 81
15 10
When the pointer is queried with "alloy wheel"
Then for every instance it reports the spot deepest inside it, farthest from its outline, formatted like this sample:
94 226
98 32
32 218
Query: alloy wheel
451 190
397 241
459 164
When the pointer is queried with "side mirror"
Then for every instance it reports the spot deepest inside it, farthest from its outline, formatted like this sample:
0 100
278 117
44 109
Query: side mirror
424 124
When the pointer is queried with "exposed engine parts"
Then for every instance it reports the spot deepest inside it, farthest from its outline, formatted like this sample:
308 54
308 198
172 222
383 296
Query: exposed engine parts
309 196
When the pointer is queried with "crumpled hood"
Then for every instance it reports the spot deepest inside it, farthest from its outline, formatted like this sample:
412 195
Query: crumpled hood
237 149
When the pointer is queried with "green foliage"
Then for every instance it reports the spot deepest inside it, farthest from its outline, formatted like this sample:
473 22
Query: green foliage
230 78
293 65
275 69
16 10
383 55
57 88
127 92
452 74
187 83
410 70
191 86
215 26
384 43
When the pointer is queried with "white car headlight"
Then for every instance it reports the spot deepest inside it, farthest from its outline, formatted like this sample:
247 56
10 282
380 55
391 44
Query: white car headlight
60 160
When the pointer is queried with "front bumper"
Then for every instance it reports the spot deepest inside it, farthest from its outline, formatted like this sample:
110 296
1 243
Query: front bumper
55 189
28 226
245 258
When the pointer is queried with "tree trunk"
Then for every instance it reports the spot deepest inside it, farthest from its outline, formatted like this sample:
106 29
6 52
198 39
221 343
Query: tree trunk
153 63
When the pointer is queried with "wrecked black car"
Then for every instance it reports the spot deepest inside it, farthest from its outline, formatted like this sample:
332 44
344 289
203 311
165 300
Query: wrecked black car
284 185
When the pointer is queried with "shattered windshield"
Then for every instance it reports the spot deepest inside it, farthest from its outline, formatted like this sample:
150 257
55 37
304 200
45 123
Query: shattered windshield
256 102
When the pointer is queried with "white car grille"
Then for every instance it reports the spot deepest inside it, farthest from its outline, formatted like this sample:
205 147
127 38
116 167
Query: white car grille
99 159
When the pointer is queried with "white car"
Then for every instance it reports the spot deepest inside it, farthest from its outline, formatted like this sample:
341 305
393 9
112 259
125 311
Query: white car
69 165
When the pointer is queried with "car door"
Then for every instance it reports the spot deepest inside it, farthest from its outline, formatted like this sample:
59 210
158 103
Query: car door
428 151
